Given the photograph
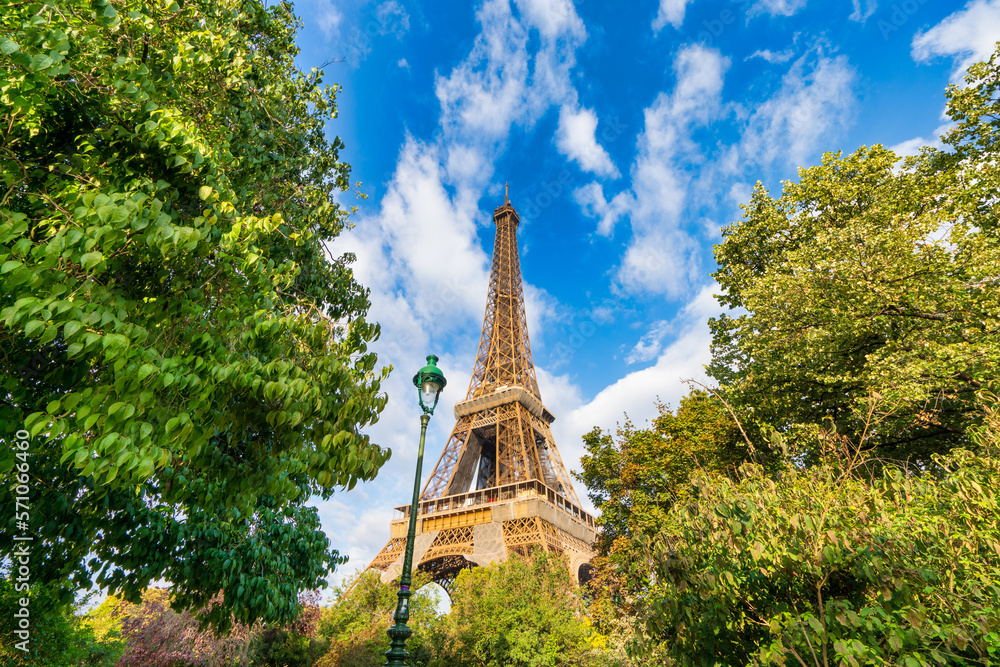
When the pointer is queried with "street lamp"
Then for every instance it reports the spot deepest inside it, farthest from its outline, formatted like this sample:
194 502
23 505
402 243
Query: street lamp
429 382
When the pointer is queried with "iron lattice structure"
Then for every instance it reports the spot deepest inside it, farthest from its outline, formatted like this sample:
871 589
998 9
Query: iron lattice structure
499 486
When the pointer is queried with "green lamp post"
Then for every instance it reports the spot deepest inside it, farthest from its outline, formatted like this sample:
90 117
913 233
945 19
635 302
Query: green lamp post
429 381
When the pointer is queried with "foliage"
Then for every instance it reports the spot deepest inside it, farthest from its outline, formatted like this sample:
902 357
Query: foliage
823 565
296 644
189 363
284 648
635 479
870 280
974 140
363 610
103 619
158 636
523 612
58 636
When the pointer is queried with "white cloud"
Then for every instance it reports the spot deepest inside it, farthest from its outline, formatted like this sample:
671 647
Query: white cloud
739 193
553 18
863 9
392 19
772 56
651 343
777 7
816 98
499 83
670 11
967 36
913 146
590 197
329 18
485 93
575 139
661 256
419 218
402 64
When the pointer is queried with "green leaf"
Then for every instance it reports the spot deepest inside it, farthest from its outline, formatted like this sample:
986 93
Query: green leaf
40 62
10 265
145 469
91 259
51 331
115 342
205 192
71 328
8 46
34 328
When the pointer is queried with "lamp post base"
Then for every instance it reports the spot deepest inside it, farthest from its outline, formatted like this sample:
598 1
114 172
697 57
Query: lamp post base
397 654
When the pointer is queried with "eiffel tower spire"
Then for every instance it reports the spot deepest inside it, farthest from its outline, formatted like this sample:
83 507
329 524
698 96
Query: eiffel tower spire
499 486
504 357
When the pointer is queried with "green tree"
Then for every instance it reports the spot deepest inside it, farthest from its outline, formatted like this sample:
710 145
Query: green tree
362 612
870 282
57 635
523 612
188 364
635 480
637 477
828 566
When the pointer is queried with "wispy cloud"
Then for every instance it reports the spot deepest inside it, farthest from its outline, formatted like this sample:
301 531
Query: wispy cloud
816 98
671 12
777 7
651 343
591 199
329 18
966 36
392 19
661 257
863 10
773 56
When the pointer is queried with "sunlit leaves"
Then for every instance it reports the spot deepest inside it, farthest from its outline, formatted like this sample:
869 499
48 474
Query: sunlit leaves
825 562
523 612
862 283
176 341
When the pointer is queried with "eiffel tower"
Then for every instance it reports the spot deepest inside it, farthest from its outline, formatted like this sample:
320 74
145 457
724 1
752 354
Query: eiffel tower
499 487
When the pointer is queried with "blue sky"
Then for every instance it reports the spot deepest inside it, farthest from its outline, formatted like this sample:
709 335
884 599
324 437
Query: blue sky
629 133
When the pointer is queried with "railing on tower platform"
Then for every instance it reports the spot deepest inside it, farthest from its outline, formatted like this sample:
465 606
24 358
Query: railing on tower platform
516 491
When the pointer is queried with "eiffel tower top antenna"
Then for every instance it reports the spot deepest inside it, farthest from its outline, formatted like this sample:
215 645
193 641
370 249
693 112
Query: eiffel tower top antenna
506 193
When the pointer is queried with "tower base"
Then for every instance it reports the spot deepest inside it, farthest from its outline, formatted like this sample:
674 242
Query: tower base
481 527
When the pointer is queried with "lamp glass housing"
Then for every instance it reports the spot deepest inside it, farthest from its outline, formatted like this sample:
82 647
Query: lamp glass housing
429 382
429 391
